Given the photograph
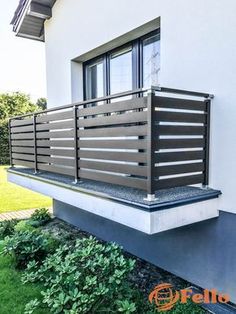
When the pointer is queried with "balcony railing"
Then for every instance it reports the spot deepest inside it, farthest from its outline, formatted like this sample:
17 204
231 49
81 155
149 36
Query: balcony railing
147 139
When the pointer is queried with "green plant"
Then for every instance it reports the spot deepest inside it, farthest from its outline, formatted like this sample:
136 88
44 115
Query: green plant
40 217
31 306
11 104
27 246
23 226
89 277
7 228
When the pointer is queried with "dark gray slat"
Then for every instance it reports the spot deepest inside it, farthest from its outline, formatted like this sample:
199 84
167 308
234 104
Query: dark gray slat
179 130
179 156
55 116
133 117
23 156
22 136
23 150
51 143
139 130
130 104
178 169
21 122
24 163
27 143
22 129
56 169
167 116
113 144
179 143
116 156
56 161
114 179
119 168
176 103
55 126
56 152
56 134
180 181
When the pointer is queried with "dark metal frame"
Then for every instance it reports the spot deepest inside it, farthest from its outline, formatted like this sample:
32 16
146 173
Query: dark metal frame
35 143
137 64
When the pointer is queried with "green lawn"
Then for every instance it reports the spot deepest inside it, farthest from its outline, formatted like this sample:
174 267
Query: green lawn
13 294
13 197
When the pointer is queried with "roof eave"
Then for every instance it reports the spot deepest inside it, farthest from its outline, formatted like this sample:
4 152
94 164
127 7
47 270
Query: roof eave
29 18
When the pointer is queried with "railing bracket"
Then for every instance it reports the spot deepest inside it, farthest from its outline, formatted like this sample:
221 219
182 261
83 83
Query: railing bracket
205 187
151 198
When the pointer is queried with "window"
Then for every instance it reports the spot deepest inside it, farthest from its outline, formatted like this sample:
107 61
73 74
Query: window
121 71
95 80
131 66
151 60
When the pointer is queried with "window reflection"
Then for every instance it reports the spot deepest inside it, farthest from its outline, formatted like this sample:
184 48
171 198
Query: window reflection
95 80
151 61
121 71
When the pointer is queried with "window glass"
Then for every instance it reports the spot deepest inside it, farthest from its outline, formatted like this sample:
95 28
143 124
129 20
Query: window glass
121 71
151 61
95 80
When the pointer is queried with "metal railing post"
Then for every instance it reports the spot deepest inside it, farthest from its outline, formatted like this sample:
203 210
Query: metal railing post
35 144
207 143
75 114
150 147
10 148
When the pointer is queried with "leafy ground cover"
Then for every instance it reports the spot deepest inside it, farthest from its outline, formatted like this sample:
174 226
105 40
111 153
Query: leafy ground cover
13 197
48 266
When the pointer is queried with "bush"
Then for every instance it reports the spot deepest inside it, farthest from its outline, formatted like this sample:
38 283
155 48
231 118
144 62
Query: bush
86 278
4 140
27 246
12 104
23 226
40 217
7 228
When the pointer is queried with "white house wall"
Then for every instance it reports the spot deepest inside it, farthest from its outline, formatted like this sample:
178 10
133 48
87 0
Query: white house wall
198 52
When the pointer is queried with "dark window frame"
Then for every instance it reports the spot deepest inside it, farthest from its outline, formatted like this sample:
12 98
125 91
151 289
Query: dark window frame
137 63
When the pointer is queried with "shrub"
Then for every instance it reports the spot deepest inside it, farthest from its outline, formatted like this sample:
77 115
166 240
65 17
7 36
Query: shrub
27 246
11 105
40 217
23 226
4 140
86 278
7 228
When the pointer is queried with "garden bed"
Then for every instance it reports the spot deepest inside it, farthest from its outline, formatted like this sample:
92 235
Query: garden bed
122 279
145 276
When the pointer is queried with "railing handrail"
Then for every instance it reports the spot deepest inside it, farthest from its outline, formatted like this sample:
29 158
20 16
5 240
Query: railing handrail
118 95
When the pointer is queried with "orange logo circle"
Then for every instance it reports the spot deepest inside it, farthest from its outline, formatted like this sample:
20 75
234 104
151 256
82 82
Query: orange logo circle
164 296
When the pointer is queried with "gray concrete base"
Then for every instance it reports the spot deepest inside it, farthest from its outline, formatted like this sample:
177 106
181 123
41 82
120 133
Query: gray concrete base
202 253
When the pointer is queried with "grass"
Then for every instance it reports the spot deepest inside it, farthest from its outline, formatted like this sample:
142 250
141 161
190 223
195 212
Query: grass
13 294
13 197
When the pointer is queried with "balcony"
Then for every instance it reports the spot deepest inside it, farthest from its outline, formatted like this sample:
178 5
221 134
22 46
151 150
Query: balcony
147 147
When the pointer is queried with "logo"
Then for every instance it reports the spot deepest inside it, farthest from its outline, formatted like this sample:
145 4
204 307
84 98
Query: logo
165 297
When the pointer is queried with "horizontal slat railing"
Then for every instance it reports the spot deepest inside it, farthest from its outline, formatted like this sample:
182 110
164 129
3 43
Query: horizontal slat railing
109 139
148 141
181 141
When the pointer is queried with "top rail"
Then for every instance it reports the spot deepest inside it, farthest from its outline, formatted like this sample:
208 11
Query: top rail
119 95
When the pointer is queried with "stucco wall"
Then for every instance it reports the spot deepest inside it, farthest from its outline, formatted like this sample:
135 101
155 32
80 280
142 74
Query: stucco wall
198 50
